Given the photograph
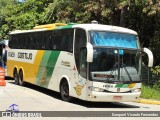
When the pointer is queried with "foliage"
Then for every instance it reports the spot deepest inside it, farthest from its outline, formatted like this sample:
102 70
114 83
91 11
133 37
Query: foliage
6 10
21 16
142 16
157 85
150 93
156 70
68 11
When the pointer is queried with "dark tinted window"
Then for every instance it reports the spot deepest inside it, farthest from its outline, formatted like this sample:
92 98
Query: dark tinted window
67 40
43 40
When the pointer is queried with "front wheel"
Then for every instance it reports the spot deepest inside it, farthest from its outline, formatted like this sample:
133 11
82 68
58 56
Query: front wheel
64 90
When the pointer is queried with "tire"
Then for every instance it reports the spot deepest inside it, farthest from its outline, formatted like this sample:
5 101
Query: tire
21 82
16 77
64 91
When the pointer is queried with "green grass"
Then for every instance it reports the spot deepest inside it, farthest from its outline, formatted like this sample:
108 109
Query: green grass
150 93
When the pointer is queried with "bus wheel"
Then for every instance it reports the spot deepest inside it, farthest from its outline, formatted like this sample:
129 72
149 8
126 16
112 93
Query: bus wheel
15 75
21 82
64 90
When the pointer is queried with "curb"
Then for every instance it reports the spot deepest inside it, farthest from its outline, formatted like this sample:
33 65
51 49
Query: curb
147 101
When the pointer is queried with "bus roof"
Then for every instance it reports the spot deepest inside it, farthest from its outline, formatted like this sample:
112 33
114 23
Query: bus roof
26 31
40 28
49 26
87 27
100 27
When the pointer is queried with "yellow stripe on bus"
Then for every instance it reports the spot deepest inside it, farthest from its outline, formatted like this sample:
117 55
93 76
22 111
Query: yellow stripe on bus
29 70
36 64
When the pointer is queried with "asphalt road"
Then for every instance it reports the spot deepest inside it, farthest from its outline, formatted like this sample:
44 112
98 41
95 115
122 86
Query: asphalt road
34 98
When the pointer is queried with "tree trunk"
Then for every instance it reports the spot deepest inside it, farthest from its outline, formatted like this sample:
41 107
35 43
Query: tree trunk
123 16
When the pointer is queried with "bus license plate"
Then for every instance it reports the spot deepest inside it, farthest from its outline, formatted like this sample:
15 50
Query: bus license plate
117 97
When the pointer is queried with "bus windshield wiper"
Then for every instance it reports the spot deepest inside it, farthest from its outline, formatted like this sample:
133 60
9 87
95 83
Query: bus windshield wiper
112 71
124 66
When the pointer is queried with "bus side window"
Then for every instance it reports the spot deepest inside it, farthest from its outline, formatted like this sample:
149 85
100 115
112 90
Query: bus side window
63 41
34 41
43 41
11 45
11 41
58 37
14 42
28 40
83 63
17 43
70 43
21 39
53 45
70 40
23 42
53 40
38 41
49 41
80 41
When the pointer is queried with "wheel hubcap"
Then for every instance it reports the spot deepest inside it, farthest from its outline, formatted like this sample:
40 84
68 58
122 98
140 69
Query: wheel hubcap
65 91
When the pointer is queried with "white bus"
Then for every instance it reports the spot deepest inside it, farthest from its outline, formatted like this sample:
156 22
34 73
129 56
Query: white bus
92 62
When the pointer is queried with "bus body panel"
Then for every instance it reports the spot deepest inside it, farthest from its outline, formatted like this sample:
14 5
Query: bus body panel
46 68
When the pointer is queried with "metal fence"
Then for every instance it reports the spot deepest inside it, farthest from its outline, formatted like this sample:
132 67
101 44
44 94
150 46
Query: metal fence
148 77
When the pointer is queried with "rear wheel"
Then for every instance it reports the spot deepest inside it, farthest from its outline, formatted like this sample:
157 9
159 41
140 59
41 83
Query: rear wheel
64 90
16 79
21 82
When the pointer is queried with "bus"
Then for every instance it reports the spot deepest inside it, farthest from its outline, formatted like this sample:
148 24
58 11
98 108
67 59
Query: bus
3 54
91 62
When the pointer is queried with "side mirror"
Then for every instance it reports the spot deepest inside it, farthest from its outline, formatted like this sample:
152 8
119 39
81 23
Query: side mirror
89 52
150 56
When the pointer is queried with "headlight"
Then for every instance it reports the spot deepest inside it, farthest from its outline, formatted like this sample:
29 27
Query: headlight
136 90
95 89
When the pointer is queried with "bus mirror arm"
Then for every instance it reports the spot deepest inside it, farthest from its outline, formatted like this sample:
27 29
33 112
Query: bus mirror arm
89 52
150 56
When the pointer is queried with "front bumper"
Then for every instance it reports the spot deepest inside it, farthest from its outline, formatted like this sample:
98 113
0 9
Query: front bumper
113 97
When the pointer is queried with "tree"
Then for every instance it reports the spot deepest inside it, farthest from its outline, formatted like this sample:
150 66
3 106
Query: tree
142 16
7 8
15 15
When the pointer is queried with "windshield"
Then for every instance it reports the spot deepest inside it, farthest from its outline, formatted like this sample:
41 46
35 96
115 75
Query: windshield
112 39
112 64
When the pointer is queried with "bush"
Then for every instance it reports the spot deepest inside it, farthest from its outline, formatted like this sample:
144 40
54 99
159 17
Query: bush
150 93
157 85
156 70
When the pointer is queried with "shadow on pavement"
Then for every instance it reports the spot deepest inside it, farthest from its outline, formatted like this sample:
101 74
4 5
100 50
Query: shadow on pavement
8 78
77 101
